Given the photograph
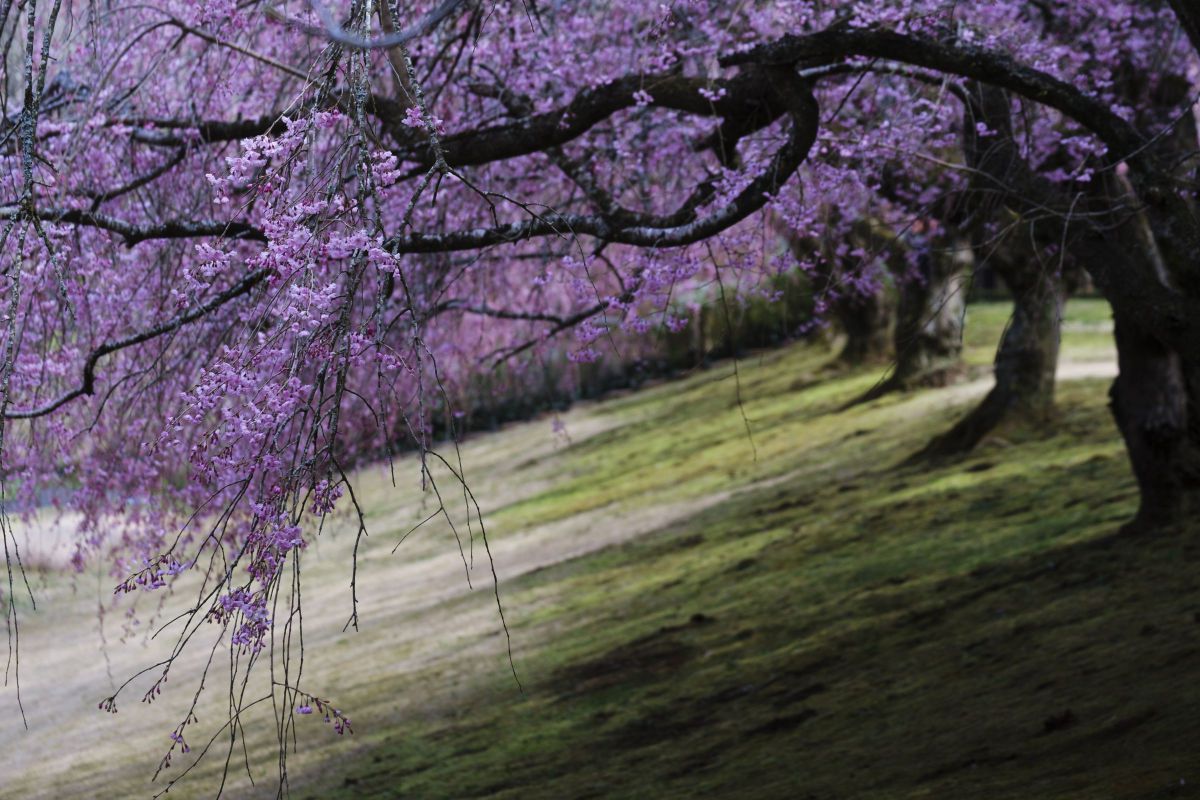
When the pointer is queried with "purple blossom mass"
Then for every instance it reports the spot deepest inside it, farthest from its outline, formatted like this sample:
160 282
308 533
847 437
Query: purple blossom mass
248 247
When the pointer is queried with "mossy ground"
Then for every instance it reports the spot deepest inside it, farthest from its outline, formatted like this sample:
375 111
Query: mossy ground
835 627
809 621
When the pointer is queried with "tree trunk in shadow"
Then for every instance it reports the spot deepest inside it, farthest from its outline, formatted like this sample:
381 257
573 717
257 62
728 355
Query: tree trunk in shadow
1155 398
866 319
1027 357
929 322
1150 403
1133 251
858 301
1025 366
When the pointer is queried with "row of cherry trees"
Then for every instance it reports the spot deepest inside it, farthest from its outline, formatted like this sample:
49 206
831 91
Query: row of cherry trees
248 245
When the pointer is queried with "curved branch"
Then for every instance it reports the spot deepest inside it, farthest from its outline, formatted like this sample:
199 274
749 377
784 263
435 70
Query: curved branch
750 101
1126 282
287 69
337 33
87 385
498 357
99 197
802 109
956 58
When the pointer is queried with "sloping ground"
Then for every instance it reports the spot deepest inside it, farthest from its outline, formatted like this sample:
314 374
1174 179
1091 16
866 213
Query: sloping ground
697 614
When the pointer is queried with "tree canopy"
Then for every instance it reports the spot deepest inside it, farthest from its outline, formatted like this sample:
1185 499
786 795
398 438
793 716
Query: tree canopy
247 246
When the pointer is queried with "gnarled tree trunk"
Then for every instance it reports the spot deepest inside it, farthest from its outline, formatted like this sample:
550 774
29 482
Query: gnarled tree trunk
1150 405
1155 398
1027 358
1025 366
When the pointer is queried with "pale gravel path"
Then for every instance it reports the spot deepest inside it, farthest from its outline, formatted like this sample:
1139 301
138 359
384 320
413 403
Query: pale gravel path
417 612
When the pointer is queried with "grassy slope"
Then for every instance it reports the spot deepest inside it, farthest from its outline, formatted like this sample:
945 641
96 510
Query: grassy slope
796 618
851 630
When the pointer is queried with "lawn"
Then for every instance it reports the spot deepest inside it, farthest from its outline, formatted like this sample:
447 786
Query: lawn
708 598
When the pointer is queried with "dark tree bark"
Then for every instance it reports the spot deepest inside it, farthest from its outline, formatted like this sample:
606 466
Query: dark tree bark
867 314
929 319
1149 401
866 319
929 322
1027 358
1155 398
864 315
1154 289
1025 366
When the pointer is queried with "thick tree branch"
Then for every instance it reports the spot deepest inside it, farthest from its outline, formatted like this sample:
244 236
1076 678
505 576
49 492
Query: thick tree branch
485 310
164 133
955 58
750 101
133 233
802 109
1129 280
1126 281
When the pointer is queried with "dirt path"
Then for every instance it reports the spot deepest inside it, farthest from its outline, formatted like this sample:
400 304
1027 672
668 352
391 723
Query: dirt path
418 614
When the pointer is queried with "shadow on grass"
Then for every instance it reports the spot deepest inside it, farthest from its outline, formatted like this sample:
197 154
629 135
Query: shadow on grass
969 630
